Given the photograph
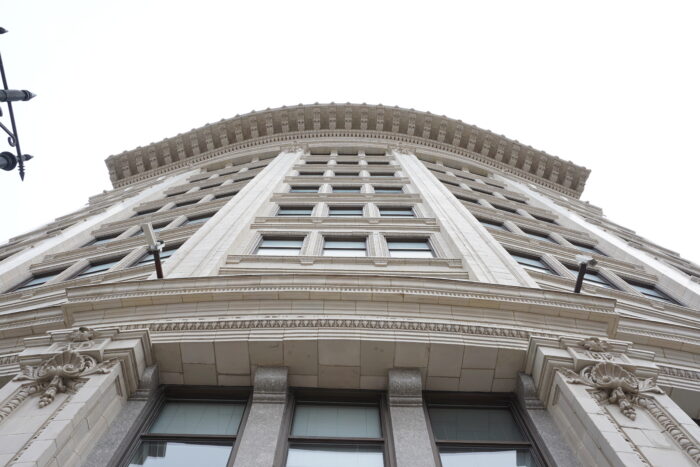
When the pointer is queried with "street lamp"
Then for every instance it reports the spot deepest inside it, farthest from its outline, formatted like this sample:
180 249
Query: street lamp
155 246
9 160
583 263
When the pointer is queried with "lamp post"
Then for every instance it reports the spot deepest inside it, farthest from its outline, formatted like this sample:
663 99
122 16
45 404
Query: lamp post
583 263
9 160
155 246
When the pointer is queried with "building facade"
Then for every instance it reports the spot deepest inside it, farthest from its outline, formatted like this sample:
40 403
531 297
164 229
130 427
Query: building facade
346 285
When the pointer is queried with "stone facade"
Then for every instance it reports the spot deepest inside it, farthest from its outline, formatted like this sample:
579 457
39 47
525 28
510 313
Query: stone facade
341 251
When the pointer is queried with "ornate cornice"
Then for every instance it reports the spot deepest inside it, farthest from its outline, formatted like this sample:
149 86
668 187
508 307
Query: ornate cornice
392 124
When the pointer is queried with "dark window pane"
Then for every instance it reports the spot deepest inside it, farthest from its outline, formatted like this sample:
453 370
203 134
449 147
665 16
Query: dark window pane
544 219
149 258
178 454
304 189
346 189
342 455
98 268
388 189
345 211
535 264
396 212
471 424
199 220
592 277
196 418
225 195
38 280
460 457
538 235
294 211
337 421
651 291
505 209
493 225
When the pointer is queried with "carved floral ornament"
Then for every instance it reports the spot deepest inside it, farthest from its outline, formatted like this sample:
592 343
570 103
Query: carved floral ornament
614 384
63 372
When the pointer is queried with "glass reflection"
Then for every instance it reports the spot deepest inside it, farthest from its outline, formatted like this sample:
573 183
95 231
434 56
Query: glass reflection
460 457
335 456
171 454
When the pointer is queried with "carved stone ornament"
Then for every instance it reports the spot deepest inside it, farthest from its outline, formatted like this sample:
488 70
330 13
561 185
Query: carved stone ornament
62 372
82 334
595 344
614 384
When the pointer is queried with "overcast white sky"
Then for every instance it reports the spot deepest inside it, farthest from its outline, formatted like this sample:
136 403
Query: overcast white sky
613 86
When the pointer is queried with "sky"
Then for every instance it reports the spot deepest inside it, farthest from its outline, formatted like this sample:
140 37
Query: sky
612 86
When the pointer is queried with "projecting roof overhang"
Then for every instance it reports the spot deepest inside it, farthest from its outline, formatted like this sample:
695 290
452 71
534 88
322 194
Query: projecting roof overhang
393 124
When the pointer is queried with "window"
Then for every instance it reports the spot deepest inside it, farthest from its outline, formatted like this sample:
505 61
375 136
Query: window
186 203
493 224
156 228
388 189
486 192
347 174
651 291
338 211
165 254
311 173
544 219
316 162
104 239
280 246
336 434
450 183
517 200
334 246
98 267
468 200
40 279
505 209
493 184
147 211
409 248
532 263
295 210
346 189
190 432
176 194
377 162
593 277
587 248
538 235
479 436
304 189
347 152
199 219
381 174
225 195
396 212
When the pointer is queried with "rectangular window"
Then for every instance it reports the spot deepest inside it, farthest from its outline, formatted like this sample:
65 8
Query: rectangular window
156 228
532 263
505 209
538 235
308 173
493 224
344 211
316 162
450 183
347 152
479 436
352 247
199 219
517 200
377 162
225 195
347 174
593 277
486 192
544 219
176 194
104 239
147 211
295 210
280 246
98 267
304 189
40 279
190 432
335 434
347 189
587 248
186 203
409 248
381 174
468 200
388 189
165 254
385 211
651 291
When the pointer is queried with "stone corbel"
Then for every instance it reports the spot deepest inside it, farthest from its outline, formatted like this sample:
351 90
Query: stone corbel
62 361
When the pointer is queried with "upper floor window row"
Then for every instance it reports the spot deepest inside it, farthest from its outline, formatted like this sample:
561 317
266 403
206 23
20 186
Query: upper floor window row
346 189
346 211
345 246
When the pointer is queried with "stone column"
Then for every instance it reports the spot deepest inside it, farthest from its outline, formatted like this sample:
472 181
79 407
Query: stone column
125 427
258 444
409 427
483 257
546 433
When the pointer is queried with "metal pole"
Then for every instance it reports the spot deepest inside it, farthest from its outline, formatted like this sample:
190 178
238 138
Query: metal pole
579 280
159 267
